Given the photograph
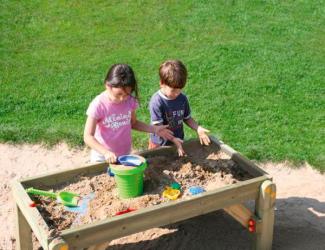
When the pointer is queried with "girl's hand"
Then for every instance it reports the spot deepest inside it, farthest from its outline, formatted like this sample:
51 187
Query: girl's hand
178 143
204 138
110 157
163 132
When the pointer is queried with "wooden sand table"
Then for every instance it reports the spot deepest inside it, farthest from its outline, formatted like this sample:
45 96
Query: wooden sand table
228 178
203 166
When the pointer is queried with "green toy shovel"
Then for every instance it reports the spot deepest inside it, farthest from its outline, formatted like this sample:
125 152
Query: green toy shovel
66 198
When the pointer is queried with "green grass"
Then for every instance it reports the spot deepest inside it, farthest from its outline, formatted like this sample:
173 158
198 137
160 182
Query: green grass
256 68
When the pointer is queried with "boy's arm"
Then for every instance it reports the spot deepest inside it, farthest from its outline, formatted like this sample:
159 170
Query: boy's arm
178 143
202 132
156 114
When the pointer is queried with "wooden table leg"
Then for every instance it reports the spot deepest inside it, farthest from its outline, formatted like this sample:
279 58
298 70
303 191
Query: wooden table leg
23 232
58 244
264 209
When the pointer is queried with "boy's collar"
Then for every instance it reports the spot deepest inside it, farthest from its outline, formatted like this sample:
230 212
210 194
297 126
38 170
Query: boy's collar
163 95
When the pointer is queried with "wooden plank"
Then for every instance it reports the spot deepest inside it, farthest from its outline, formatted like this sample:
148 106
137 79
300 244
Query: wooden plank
52 178
248 165
102 246
215 140
162 214
265 211
31 214
240 213
224 147
171 150
161 151
187 145
243 162
23 232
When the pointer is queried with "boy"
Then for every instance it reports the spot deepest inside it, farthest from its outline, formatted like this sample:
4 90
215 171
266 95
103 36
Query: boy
170 106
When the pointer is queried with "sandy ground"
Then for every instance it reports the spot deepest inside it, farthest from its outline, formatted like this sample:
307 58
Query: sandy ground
300 206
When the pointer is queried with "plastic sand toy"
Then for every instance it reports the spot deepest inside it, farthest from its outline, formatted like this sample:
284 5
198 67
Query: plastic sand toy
66 198
126 160
83 205
175 185
130 160
109 172
128 210
129 175
196 190
171 193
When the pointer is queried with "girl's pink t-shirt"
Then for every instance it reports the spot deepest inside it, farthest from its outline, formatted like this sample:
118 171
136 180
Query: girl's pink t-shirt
113 129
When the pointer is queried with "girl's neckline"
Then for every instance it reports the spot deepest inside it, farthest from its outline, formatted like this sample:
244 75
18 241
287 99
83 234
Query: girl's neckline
108 98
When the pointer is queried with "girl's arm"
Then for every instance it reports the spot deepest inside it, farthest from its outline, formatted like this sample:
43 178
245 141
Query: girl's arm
91 141
160 130
178 143
202 132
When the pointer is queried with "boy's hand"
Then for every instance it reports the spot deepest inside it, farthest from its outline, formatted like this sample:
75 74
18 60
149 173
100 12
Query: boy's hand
204 138
178 143
163 132
110 157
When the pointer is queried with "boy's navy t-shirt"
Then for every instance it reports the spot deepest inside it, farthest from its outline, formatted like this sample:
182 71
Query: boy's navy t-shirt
165 111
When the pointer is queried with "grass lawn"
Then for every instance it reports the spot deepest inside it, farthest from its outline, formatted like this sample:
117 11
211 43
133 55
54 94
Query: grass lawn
256 68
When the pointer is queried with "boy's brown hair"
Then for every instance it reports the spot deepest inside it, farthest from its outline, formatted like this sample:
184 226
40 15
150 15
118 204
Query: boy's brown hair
173 73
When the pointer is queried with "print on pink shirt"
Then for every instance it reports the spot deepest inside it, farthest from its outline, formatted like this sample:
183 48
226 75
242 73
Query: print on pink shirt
115 121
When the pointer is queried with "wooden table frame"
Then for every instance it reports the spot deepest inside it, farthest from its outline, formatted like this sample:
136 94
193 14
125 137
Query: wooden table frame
230 198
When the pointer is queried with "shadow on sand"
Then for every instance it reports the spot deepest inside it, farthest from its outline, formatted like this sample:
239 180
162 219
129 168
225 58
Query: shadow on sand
299 224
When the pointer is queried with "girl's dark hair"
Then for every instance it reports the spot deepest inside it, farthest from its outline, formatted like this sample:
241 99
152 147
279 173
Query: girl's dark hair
122 76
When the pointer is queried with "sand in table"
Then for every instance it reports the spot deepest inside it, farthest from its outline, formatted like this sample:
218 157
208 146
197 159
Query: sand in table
202 167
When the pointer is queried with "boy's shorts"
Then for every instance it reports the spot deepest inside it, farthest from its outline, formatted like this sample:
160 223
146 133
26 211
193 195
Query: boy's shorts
152 145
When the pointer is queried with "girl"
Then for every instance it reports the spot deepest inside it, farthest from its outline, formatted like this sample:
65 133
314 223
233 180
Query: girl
111 116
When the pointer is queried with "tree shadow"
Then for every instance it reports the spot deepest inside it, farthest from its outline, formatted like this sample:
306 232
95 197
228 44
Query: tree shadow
299 224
